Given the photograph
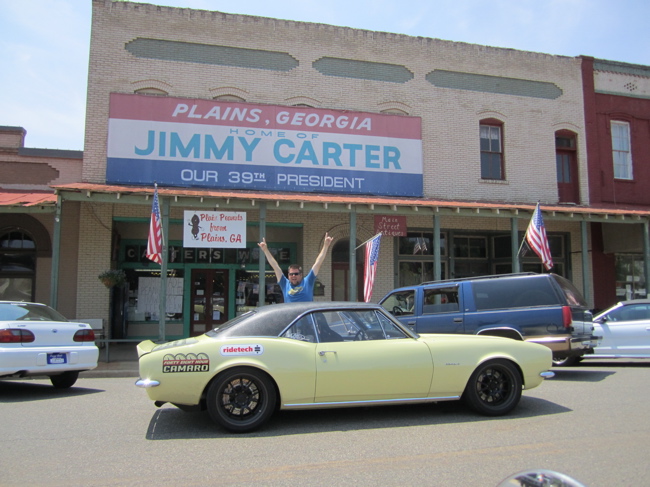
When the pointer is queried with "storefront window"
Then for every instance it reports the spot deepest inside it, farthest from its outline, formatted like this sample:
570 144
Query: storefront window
17 265
248 290
144 295
630 277
411 273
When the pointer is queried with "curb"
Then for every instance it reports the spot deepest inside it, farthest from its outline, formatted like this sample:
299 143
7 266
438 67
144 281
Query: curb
111 370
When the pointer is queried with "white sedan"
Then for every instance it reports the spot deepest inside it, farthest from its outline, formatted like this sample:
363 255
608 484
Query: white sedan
35 340
625 330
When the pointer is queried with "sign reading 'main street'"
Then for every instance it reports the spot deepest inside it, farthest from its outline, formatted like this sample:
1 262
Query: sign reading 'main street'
225 145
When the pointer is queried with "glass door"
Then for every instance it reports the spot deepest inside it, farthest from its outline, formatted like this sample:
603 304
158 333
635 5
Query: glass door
209 298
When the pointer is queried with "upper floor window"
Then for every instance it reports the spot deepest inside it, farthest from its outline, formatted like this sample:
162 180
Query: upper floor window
621 152
491 149
229 98
151 91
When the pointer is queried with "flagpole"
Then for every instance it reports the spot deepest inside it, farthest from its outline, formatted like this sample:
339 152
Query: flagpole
526 232
162 309
364 243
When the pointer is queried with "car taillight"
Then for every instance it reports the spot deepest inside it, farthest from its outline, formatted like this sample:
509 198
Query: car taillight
84 336
567 317
16 335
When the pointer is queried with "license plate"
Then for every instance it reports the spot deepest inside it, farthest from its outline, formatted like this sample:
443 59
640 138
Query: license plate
57 358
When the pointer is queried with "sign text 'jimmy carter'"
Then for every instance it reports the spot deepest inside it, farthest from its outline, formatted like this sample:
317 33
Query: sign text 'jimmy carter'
225 145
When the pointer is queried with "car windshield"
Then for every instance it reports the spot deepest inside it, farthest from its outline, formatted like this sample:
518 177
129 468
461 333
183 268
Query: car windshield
28 312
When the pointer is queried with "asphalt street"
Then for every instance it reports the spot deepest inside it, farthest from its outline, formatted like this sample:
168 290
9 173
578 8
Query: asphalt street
589 422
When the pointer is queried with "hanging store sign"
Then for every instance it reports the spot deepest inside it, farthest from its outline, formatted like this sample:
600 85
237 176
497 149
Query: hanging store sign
225 145
214 229
390 226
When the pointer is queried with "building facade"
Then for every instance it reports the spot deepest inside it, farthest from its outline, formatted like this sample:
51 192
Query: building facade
617 111
445 147
27 221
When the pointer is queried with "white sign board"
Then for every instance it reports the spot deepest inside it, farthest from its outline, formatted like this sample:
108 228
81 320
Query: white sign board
214 229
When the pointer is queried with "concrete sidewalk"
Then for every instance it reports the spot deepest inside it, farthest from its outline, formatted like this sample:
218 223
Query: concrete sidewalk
115 360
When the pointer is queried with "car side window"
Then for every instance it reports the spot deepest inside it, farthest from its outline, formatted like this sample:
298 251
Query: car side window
401 303
440 300
391 331
302 330
630 313
326 324
355 325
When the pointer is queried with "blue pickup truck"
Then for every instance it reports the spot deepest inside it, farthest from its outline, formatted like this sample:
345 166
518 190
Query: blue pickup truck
541 308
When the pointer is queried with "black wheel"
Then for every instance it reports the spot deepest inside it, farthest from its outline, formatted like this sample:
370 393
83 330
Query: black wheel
566 361
65 380
494 388
397 311
241 399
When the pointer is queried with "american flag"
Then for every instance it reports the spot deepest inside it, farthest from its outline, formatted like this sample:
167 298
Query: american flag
372 254
154 244
536 238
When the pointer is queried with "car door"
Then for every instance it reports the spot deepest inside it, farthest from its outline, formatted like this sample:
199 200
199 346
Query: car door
440 310
625 331
376 364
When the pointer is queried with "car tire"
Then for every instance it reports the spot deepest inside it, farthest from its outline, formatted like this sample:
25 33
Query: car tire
566 361
65 380
241 399
494 388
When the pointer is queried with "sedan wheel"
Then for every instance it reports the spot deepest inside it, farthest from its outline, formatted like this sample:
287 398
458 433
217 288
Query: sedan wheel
65 380
566 361
494 388
241 399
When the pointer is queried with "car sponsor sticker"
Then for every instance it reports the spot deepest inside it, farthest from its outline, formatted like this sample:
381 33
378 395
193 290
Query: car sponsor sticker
227 350
181 362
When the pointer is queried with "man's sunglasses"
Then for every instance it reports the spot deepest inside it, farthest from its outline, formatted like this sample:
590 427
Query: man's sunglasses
294 273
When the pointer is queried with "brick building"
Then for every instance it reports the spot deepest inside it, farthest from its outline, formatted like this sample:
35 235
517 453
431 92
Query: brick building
27 221
465 141
617 112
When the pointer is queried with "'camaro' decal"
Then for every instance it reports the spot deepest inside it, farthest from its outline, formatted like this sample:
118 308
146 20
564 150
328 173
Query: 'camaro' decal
191 362
242 350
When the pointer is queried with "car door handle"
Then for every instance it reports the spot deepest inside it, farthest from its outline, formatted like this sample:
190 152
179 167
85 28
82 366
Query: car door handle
458 320
323 352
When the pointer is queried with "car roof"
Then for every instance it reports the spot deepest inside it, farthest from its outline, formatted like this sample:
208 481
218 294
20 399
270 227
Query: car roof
272 319
518 275
632 301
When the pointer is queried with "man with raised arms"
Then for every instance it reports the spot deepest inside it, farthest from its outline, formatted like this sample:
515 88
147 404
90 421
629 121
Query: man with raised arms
297 288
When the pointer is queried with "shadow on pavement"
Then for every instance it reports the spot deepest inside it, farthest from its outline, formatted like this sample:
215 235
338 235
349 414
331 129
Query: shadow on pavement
170 423
580 375
23 390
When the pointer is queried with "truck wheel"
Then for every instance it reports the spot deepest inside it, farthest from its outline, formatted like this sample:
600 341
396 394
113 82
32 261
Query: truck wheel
494 388
566 361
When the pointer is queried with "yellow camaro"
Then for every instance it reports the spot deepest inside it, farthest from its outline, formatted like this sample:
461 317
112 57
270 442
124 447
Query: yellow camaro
326 355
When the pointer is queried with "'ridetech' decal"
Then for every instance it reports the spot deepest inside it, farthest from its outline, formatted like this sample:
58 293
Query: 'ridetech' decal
227 350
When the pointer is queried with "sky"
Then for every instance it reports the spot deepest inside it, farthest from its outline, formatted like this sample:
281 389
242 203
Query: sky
44 44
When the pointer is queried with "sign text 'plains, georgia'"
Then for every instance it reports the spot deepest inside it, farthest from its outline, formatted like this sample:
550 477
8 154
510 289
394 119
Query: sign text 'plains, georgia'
224 145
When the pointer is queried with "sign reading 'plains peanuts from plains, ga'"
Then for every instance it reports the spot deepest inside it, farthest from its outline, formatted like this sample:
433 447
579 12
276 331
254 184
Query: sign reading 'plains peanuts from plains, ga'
214 229
225 145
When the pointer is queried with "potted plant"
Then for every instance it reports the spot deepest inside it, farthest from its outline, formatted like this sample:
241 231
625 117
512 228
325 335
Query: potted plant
112 277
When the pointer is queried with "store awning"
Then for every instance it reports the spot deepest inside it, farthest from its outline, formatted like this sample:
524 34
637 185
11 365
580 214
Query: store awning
27 200
336 203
